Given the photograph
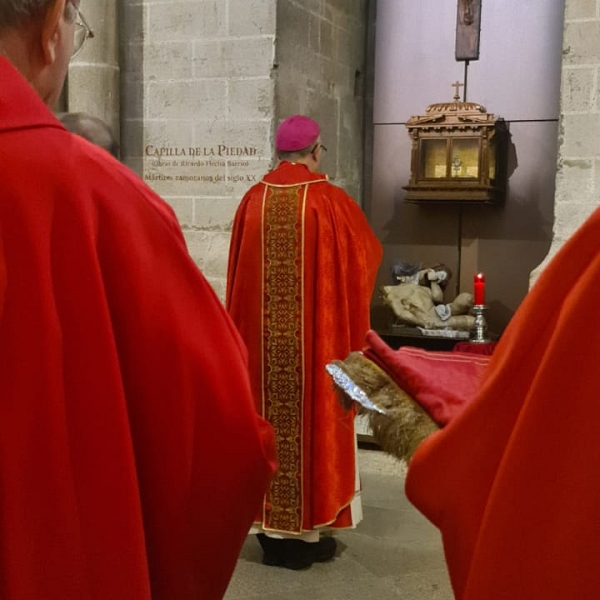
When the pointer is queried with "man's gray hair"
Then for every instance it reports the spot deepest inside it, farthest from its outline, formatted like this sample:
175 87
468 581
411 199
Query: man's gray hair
296 154
15 12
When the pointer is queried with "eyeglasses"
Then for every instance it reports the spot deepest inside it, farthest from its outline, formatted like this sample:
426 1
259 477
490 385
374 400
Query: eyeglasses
83 32
318 146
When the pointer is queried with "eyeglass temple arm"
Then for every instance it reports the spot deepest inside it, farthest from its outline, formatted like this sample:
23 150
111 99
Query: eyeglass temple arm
89 29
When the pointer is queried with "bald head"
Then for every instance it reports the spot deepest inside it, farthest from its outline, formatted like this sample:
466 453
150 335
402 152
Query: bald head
92 129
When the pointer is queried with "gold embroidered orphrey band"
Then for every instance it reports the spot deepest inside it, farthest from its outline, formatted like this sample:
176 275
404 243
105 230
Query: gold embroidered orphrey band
283 352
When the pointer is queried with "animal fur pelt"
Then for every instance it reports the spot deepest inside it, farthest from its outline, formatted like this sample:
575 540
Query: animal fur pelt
402 424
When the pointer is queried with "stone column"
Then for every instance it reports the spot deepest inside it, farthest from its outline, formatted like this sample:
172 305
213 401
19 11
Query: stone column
321 54
93 79
198 111
578 168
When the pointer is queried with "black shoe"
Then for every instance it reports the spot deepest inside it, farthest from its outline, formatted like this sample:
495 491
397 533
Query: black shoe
298 554
273 550
325 549
269 544
288 553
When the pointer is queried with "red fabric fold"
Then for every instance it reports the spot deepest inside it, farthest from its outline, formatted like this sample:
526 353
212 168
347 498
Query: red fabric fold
485 348
443 383
512 482
132 460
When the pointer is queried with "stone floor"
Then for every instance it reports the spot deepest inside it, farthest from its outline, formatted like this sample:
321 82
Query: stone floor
395 553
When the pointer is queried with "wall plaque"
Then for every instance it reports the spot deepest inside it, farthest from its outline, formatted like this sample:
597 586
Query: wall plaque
216 169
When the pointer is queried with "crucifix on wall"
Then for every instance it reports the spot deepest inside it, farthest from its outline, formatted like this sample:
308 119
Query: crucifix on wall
468 25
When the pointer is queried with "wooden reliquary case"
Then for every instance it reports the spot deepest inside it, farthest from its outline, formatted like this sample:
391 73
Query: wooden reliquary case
458 154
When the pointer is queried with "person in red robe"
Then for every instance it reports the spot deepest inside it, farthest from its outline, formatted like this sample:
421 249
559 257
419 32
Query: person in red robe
132 459
301 273
512 480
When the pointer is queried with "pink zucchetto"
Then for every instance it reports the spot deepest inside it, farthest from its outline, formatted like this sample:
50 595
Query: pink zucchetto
296 133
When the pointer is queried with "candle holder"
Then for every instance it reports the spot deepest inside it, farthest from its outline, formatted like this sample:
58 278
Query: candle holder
479 329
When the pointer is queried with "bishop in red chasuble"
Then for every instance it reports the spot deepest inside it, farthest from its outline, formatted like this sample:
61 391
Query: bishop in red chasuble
302 268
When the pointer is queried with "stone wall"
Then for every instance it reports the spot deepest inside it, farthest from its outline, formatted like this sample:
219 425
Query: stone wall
93 79
197 112
578 169
320 53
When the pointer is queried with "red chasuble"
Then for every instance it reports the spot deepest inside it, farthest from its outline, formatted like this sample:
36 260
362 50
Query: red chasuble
132 461
302 268
513 481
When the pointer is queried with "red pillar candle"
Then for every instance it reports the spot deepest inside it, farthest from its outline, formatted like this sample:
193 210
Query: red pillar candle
479 286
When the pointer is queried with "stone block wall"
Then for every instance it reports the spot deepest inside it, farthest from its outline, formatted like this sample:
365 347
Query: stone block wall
320 53
197 114
93 81
578 168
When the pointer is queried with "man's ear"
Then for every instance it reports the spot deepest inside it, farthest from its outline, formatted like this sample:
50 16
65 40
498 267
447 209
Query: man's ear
51 30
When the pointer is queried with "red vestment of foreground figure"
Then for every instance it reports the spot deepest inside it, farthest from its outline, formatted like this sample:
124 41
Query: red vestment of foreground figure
512 482
302 268
132 460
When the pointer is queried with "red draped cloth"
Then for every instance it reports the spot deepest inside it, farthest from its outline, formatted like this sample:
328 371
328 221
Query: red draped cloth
485 348
132 460
512 482
302 268
443 383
